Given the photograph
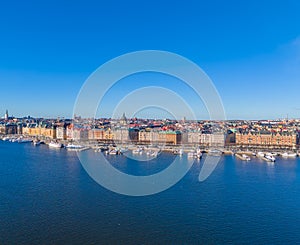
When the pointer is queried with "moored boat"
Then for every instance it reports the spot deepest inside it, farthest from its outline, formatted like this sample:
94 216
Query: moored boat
246 158
5 138
191 154
270 157
214 153
36 142
243 157
74 147
178 152
286 154
24 140
137 151
198 154
55 145
260 154
112 152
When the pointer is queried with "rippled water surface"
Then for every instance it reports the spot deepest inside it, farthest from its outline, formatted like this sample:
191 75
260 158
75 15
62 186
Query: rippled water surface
46 197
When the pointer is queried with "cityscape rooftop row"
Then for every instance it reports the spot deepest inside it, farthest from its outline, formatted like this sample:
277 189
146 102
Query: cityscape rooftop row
276 133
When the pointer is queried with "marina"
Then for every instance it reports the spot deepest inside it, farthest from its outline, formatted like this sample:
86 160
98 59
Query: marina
191 152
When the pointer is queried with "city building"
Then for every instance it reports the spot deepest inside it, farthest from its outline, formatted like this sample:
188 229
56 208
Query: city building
267 138
61 133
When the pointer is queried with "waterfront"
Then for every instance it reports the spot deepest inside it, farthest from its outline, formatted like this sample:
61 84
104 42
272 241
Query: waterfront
47 197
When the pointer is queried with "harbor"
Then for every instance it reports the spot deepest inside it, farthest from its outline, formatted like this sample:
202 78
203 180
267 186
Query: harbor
153 151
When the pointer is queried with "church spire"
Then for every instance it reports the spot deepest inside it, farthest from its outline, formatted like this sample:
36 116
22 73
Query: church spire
6 115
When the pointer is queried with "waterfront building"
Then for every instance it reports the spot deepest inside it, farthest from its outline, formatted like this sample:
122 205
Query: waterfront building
19 128
121 134
70 132
133 134
184 137
193 137
34 130
11 128
61 133
109 135
267 139
144 136
2 128
216 139
173 137
156 136
80 134
8 128
48 132
159 136
25 130
96 134
230 137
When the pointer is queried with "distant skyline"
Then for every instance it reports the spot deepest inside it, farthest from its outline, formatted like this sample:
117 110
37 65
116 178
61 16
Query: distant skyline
250 50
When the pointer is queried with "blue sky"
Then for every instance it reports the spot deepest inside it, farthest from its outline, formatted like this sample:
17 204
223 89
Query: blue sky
250 49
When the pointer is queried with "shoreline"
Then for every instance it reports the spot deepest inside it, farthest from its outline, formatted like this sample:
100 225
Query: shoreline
103 146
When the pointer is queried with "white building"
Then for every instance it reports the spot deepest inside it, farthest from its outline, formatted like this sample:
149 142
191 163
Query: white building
121 135
213 140
61 133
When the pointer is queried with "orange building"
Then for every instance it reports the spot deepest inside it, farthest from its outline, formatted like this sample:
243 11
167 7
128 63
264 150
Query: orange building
282 139
173 137
96 134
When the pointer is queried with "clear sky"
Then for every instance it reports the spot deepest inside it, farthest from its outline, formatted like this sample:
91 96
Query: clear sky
250 49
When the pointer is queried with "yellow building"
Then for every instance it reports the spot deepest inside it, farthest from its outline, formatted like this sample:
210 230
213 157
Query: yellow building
109 134
48 132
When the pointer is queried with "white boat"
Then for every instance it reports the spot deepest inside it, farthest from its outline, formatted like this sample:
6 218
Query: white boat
270 157
73 146
292 154
137 151
245 157
55 145
286 154
214 153
24 140
112 152
180 152
191 154
198 154
123 150
36 142
154 153
260 154
6 139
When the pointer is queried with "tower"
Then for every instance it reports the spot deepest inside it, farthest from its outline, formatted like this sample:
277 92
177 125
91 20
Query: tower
123 119
6 115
